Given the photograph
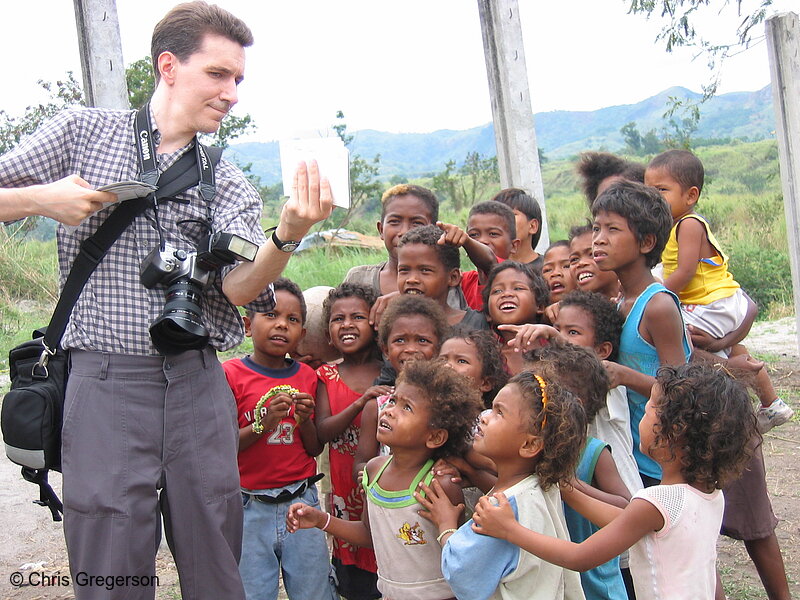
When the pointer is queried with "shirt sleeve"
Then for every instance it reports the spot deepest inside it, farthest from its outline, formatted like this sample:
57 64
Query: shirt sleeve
474 564
239 211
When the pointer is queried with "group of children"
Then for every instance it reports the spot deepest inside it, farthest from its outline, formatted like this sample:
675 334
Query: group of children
492 433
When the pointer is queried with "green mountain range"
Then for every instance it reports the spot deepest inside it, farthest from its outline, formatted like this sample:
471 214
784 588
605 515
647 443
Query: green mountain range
560 134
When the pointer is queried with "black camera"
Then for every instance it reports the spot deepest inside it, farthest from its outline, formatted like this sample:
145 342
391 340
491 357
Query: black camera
180 325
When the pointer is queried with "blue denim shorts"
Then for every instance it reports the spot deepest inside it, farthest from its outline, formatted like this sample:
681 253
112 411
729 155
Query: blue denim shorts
269 550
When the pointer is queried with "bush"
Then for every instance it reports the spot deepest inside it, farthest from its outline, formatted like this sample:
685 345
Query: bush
764 273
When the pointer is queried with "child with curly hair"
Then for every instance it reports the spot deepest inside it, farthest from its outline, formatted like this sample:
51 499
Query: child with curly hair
696 425
476 354
534 434
344 389
430 415
411 328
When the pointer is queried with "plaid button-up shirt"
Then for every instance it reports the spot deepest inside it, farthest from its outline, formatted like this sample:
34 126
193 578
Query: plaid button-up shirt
115 310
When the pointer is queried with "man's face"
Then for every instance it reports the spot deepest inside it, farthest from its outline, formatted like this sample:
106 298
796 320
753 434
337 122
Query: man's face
203 87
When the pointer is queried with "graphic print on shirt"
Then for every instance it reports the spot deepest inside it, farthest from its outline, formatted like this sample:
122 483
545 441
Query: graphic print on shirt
412 535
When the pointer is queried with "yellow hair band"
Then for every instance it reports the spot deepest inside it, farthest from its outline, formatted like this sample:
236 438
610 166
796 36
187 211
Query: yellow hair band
542 387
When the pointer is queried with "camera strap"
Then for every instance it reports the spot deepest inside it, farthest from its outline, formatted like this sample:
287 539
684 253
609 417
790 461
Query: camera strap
191 169
148 160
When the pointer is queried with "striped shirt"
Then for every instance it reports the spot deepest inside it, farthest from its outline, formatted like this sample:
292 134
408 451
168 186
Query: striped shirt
115 310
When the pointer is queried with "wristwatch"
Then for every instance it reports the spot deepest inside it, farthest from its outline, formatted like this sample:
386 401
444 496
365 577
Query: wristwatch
289 246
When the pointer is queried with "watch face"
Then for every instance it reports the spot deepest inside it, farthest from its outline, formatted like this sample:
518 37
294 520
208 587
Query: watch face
290 246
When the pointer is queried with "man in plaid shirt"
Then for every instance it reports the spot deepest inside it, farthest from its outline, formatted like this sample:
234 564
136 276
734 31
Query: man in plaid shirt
145 433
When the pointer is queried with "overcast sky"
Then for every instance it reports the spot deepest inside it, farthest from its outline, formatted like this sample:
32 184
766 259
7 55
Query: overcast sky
410 66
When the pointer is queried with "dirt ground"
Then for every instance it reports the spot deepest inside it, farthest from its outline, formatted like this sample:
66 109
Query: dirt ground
32 545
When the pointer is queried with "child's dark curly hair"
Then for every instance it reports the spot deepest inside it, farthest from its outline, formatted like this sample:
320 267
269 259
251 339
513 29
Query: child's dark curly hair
404 306
707 415
594 167
492 363
429 235
287 285
455 403
645 210
606 318
538 285
576 369
347 290
425 195
560 422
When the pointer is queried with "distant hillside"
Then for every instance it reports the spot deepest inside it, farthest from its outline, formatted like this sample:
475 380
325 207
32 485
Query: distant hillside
740 115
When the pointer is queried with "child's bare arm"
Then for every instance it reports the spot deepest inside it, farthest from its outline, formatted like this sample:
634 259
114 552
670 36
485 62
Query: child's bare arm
331 426
608 482
630 378
690 237
663 324
583 499
637 520
529 336
303 412
438 505
303 516
479 254
367 438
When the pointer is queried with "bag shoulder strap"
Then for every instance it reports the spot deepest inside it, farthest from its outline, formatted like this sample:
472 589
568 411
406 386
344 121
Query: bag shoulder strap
178 178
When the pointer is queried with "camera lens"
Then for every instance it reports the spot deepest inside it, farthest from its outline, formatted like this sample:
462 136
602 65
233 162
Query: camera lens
180 326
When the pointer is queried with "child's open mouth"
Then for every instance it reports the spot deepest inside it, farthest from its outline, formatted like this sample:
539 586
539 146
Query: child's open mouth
279 339
382 424
507 306
414 291
347 338
585 276
556 286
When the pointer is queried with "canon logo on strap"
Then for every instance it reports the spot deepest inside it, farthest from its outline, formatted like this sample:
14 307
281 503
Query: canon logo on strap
143 135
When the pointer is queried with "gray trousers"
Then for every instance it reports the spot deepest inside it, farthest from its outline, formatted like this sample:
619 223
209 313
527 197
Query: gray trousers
145 434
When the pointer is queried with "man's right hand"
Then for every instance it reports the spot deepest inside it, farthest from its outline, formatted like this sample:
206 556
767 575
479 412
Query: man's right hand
69 200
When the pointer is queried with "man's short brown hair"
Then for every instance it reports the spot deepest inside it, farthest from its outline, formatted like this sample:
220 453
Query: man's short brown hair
183 28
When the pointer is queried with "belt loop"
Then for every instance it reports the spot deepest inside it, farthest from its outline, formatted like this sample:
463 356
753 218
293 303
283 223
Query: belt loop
104 366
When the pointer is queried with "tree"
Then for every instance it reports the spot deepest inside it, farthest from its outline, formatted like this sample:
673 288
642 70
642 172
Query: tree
633 139
683 117
62 94
465 184
680 31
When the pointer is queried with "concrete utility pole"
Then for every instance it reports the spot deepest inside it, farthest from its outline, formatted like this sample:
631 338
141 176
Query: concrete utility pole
783 43
514 132
101 54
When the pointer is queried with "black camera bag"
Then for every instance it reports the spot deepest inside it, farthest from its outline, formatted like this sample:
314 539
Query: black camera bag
32 410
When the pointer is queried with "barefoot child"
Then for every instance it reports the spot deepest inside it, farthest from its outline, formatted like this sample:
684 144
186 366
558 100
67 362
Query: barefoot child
430 415
277 445
344 389
534 434
696 426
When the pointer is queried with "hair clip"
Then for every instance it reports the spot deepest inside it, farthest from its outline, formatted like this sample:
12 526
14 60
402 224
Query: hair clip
542 386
